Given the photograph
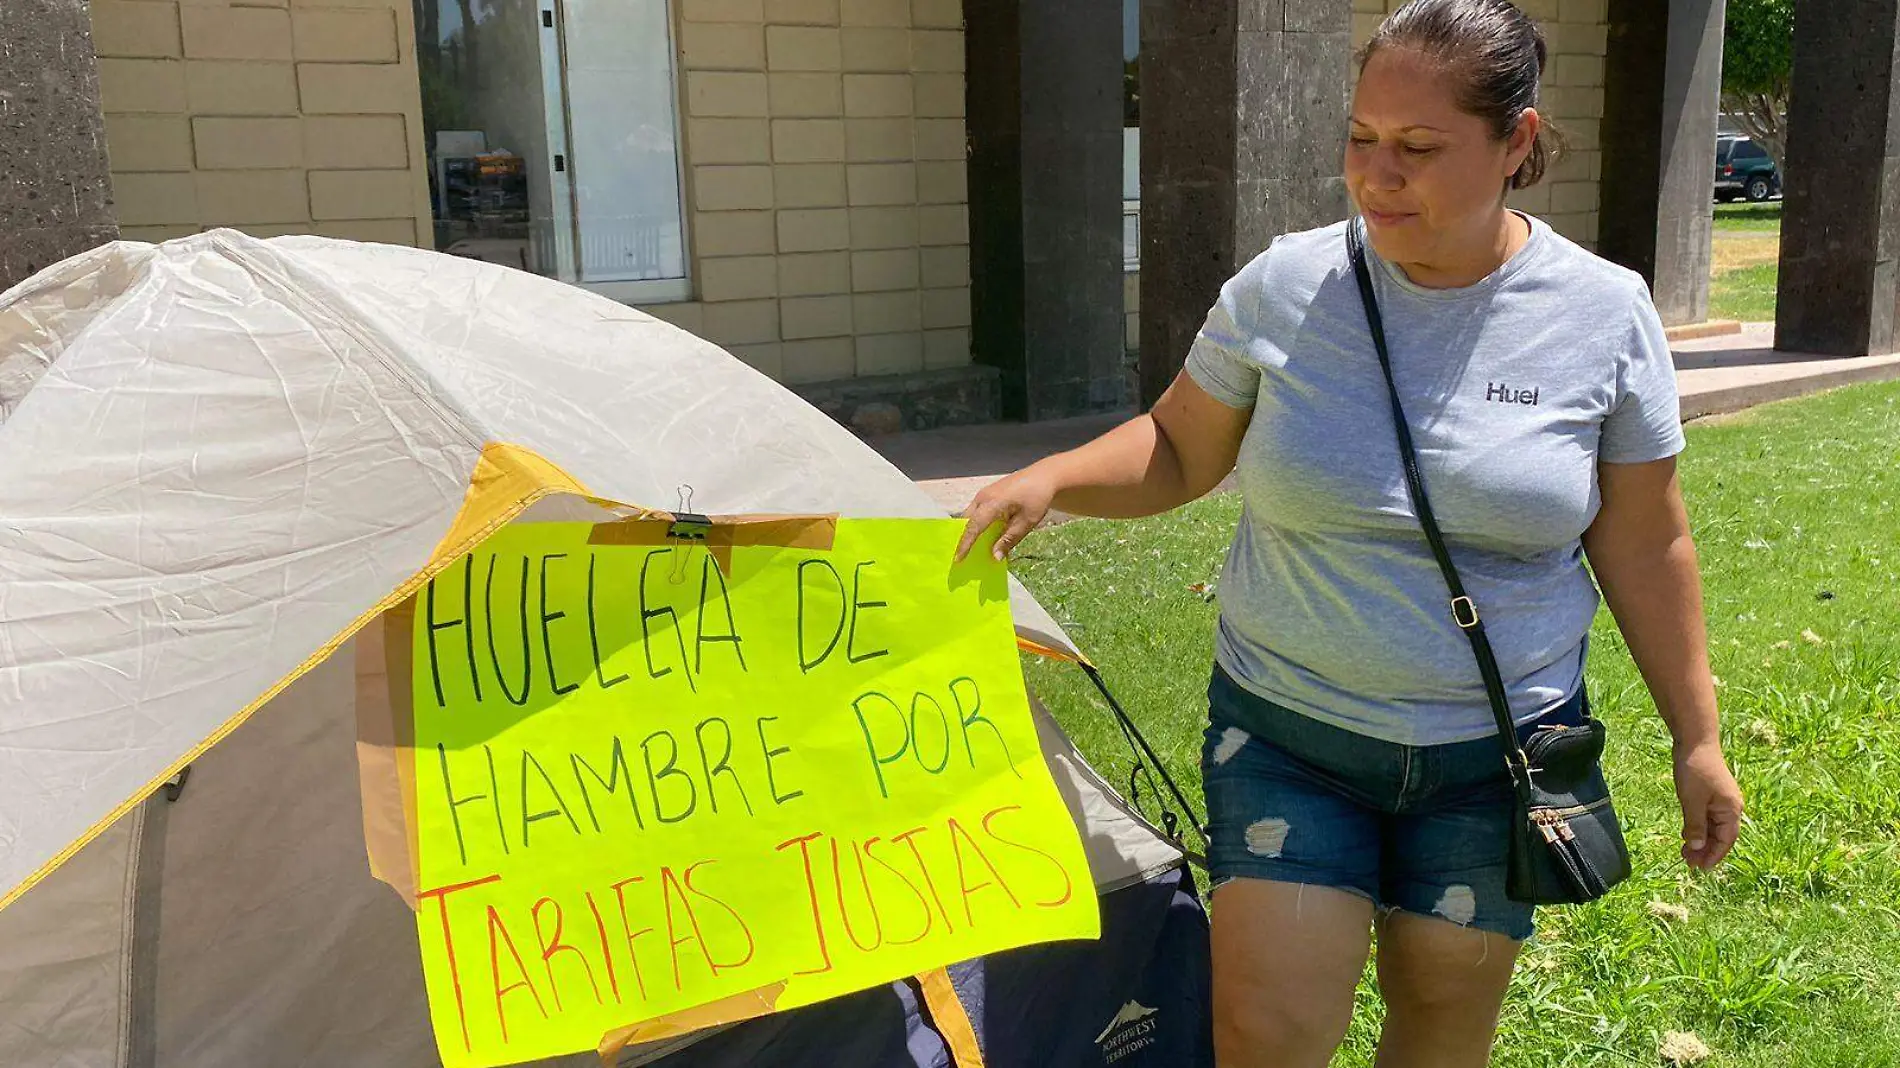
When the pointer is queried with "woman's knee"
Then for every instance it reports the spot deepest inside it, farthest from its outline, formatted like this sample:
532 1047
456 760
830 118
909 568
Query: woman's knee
1430 967
1280 1030
1286 958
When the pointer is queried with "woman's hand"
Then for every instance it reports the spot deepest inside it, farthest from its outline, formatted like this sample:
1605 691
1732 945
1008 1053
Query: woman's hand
1154 462
1711 804
1021 501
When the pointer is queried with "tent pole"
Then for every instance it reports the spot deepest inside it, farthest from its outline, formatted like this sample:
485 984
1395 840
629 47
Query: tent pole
1140 744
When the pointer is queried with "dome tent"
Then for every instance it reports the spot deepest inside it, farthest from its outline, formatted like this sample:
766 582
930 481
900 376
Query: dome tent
221 460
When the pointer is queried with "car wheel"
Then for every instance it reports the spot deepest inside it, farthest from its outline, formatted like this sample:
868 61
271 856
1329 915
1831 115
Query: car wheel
1757 188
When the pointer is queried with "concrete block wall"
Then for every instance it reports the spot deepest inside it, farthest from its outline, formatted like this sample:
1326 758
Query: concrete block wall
1577 34
271 116
825 151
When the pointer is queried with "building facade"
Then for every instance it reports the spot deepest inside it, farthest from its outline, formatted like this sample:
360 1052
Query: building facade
902 209
782 177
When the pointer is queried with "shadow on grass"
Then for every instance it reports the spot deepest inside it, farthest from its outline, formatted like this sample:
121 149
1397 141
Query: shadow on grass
1763 216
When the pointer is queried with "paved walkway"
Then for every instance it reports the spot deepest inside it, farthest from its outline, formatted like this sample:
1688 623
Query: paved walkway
1719 374
1726 374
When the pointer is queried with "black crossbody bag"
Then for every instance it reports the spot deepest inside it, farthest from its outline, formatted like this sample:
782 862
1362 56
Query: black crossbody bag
1566 844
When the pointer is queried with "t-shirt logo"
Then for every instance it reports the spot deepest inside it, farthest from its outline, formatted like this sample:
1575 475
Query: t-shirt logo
1504 394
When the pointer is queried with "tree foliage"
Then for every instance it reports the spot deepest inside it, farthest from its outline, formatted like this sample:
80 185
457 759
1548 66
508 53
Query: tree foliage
1757 65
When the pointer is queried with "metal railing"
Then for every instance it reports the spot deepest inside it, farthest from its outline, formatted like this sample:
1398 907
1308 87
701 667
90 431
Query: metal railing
1131 235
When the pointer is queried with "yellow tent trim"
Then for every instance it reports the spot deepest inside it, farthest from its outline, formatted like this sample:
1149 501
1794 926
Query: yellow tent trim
506 480
952 1020
733 1008
1030 645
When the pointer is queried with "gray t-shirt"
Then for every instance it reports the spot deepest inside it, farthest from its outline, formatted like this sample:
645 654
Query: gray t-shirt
1515 388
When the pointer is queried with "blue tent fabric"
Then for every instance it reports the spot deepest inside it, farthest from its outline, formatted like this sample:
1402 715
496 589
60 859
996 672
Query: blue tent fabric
1138 997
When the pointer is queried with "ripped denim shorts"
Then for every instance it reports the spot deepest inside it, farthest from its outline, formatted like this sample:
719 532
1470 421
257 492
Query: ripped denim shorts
1423 829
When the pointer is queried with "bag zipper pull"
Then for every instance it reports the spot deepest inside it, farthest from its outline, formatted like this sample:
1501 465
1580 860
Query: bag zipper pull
1544 820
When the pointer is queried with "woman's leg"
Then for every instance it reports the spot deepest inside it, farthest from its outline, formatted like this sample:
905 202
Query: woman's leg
1286 958
1443 984
1294 853
1447 948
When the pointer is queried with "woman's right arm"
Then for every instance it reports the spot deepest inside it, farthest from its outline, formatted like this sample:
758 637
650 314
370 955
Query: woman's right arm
1174 454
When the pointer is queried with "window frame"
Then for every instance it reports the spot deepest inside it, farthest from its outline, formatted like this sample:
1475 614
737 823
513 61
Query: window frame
560 138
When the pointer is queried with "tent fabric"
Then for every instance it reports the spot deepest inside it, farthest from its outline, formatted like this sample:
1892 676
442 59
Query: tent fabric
219 459
65 955
1137 998
298 422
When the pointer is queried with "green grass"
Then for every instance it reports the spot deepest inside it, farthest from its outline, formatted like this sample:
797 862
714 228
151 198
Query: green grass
1788 958
1744 217
1739 287
1745 293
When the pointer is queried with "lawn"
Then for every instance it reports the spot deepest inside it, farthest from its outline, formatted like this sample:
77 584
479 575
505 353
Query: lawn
1745 261
1744 293
1785 957
1743 217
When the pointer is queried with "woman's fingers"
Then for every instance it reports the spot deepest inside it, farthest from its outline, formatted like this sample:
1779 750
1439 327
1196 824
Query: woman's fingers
1020 524
1709 832
981 514
1695 830
985 513
1018 502
1711 806
1724 826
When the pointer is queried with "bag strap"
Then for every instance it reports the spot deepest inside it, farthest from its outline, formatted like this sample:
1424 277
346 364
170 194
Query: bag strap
1464 611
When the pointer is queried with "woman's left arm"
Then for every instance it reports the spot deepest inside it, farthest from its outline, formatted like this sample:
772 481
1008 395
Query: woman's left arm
1645 561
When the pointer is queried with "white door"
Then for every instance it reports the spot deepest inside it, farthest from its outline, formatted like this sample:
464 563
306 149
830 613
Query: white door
619 176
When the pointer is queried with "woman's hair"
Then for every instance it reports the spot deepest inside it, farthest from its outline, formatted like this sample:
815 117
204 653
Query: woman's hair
1495 53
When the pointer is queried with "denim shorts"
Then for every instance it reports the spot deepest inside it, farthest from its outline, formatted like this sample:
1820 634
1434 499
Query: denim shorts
1423 829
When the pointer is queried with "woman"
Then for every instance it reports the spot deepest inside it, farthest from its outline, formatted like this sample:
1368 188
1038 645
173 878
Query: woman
1352 771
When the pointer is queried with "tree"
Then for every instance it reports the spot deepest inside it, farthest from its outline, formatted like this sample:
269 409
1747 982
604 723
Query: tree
1757 65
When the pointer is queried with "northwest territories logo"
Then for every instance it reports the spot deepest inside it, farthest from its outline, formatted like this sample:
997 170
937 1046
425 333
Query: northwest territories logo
1132 1029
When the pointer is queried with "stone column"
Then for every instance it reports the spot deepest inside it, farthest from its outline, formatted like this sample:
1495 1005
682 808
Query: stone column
55 187
1243 132
1840 225
1662 93
1045 122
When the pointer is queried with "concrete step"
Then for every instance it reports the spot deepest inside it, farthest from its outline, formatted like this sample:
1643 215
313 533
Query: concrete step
1706 328
1726 374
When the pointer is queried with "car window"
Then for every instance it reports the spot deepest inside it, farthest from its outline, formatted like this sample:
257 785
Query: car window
1722 150
1750 150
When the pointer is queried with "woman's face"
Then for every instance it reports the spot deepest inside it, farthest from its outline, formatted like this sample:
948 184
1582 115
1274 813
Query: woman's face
1427 175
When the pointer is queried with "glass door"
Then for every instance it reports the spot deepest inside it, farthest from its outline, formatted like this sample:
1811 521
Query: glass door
617 169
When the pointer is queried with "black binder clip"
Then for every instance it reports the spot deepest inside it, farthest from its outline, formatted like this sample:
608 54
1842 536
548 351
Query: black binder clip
689 526
687 529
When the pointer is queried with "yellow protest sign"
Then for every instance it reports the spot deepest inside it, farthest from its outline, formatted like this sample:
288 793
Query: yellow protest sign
645 783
